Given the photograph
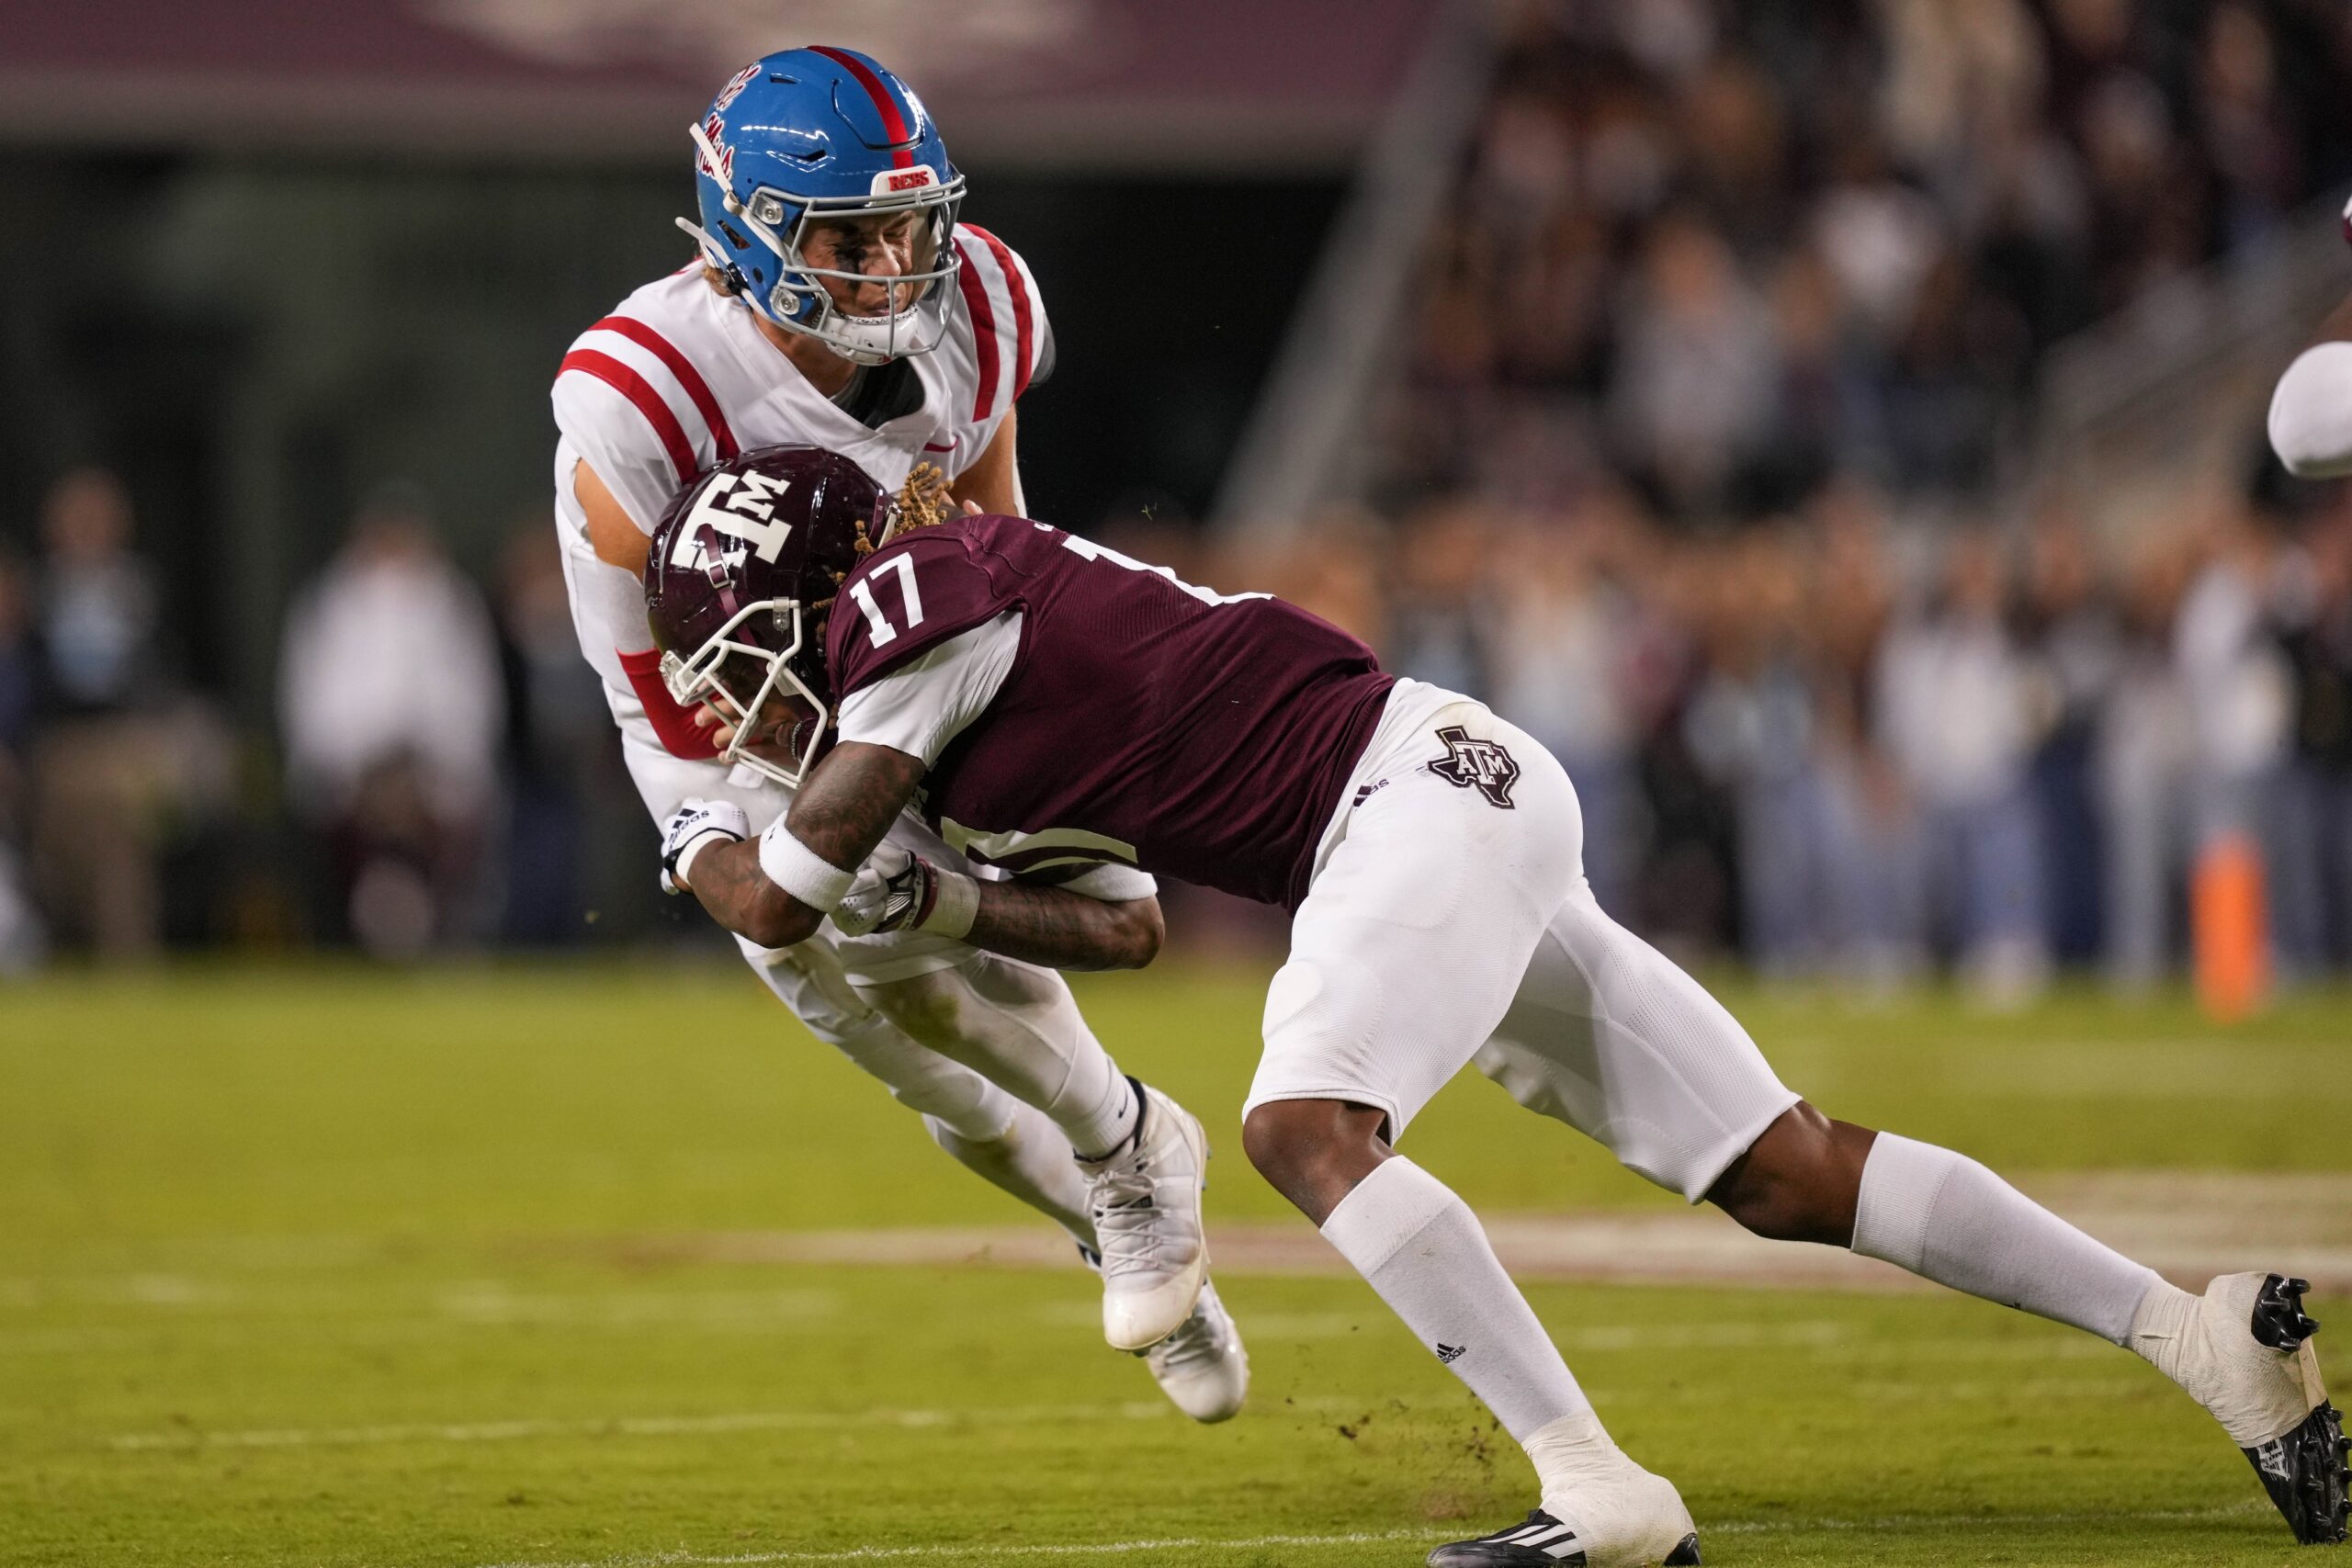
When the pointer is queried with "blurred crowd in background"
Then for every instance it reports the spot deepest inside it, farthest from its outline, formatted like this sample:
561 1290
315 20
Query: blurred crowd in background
1726 253
1714 361
444 774
1847 749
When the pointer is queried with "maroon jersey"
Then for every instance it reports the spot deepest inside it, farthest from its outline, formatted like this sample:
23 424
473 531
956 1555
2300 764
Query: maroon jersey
1143 721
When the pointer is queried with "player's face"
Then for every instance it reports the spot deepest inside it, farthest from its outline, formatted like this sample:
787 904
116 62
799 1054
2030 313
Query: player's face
878 244
778 733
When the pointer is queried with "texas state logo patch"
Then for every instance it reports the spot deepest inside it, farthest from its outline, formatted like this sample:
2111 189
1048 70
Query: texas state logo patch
1483 765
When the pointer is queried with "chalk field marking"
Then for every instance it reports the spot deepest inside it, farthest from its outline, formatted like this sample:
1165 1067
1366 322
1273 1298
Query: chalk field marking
1887 1390
634 1426
1890 1523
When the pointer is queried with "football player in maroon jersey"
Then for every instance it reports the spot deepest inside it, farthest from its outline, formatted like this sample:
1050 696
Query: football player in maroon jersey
1053 708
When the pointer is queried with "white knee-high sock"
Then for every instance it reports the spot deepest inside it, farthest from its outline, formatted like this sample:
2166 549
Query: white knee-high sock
1030 1159
1422 1249
1944 1216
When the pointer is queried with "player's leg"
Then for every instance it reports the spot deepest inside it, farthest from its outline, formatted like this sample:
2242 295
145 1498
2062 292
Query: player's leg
979 1125
1404 956
984 1128
1615 1039
1142 1157
1019 1026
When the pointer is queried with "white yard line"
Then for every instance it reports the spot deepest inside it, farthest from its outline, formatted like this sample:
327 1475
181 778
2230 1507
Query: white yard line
524 1428
633 1427
1889 1524
1070 1549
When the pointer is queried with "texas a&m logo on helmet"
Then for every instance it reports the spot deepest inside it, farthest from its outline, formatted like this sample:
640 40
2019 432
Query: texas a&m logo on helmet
739 577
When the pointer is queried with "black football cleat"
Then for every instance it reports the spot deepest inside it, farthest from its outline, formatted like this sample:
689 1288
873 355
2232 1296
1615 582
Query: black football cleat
2306 1474
1540 1541
2304 1469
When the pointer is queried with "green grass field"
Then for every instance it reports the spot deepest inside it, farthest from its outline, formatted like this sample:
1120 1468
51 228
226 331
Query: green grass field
323 1266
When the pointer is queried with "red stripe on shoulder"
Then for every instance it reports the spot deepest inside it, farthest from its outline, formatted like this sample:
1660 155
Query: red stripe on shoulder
1023 327
976 301
894 124
705 402
637 390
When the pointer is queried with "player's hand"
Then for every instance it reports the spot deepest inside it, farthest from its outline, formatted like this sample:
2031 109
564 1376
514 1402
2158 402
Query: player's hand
721 727
894 889
690 828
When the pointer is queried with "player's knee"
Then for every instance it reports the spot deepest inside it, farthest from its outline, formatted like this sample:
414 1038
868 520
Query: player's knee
1313 1151
1800 1181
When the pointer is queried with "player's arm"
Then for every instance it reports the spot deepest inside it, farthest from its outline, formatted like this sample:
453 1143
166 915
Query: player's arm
612 533
992 483
1063 929
777 890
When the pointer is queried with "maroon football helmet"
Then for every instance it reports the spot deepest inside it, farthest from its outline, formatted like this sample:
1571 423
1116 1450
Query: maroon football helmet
736 580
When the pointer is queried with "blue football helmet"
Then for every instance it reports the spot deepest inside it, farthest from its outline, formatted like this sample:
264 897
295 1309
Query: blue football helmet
814 134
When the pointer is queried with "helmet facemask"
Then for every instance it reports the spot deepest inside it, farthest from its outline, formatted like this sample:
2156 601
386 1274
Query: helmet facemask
801 301
737 679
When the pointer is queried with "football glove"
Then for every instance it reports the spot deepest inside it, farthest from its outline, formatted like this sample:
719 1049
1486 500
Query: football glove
897 891
692 826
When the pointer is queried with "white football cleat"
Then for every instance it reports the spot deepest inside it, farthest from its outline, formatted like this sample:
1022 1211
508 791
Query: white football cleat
1601 1510
1146 1198
2244 1351
1202 1367
1630 1519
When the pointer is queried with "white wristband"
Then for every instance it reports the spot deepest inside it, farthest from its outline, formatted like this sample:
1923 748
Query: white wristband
953 906
802 871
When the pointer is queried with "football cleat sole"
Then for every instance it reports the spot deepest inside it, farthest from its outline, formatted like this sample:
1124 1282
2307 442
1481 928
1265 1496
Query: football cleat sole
2306 1474
2305 1469
1540 1541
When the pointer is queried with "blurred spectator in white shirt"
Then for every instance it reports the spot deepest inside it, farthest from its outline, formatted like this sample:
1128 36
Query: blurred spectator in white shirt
1692 401
393 707
1956 715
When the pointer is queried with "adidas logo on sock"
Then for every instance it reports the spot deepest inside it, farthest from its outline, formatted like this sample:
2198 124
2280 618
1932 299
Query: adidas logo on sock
1449 1354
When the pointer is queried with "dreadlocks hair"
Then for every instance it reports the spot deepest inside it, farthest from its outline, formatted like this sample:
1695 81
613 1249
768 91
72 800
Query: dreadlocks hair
923 501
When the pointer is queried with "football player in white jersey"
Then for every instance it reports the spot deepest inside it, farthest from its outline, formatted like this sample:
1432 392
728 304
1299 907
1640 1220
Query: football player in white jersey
836 300
2311 412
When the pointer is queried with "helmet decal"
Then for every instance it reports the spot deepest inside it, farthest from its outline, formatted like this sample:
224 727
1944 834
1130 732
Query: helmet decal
741 578
734 88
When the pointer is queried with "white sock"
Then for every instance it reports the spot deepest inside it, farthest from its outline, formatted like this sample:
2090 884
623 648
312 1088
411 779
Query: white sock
1422 1249
1101 1127
1944 1216
1030 1159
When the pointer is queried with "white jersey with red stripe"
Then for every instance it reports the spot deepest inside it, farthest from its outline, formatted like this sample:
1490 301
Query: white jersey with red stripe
680 376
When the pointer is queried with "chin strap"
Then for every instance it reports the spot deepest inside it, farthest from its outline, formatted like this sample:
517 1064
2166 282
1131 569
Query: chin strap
716 255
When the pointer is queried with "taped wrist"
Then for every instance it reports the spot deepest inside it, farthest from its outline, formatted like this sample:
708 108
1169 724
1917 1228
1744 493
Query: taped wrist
802 871
955 904
681 873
